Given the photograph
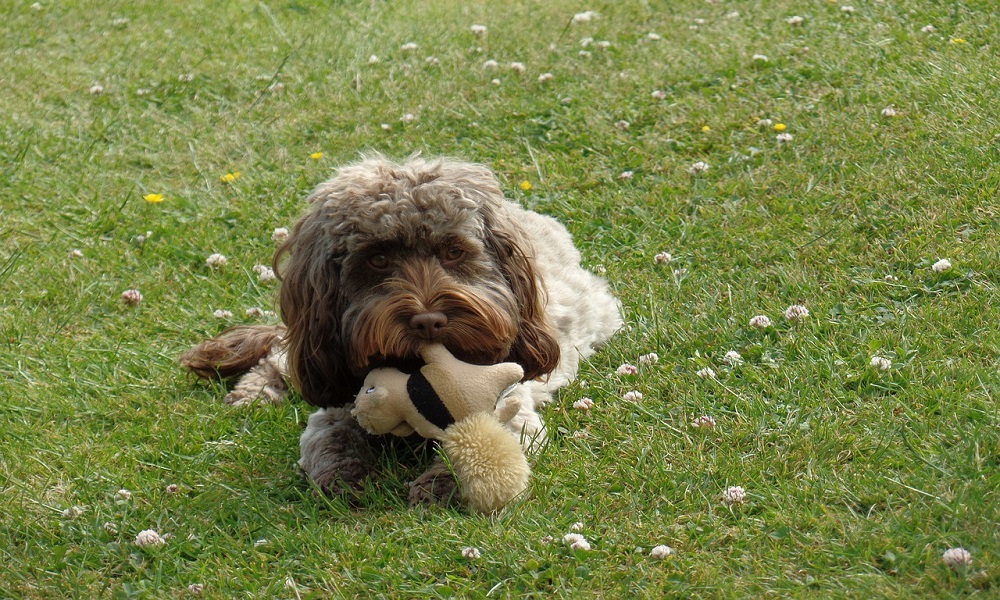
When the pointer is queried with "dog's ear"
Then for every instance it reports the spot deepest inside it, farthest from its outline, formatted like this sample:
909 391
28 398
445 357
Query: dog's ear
311 308
535 348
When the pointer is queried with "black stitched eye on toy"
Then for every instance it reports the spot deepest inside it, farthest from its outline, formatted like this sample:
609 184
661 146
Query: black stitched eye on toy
370 390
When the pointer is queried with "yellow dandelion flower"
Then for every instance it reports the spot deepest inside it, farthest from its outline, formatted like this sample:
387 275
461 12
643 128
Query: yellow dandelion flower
780 127
526 185
316 155
706 129
153 198
957 40
230 177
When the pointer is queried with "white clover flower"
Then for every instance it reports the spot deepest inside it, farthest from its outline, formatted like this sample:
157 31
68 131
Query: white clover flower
603 44
889 111
623 125
76 253
580 434
627 369
131 297
185 77
264 272
578 526
941 266
279 234
576 541
880 362
478 30
625 175
495 81
957 558
760 322
703 422
796 312
97 89
123 494
545 77
216 261
732 358
471 553
632 396
734 495
847 9
649 359
110 528
148 537
601 269
386 127
72 512
491 64
663 257
733 14
583 404
660 552
120 22
373 59
784 137
760 58
172 488
765 123
795 21
698 167
36 6
518 66
654 36
587 41
407 118
928 29
195 589
223 314
409 47
546 540
659 95
706 373
432 60
584 17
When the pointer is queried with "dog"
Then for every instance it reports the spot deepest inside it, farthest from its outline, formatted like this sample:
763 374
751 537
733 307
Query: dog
392 256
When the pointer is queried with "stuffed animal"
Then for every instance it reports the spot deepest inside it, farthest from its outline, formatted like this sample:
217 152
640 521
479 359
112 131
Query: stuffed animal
455 403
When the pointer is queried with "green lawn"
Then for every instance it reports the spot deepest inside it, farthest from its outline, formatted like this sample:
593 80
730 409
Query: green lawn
859 474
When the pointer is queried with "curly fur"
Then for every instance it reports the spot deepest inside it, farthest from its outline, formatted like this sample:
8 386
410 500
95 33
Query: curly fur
385 244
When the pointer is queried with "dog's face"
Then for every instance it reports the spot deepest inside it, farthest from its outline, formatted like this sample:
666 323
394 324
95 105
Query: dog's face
392 257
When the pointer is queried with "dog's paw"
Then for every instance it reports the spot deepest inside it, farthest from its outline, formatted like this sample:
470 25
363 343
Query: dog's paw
269 394
435 487
345 478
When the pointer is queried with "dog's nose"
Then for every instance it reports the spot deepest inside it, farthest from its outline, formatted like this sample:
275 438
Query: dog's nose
428 325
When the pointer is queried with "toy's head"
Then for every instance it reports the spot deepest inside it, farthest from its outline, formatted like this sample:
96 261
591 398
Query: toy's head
444 391
378 407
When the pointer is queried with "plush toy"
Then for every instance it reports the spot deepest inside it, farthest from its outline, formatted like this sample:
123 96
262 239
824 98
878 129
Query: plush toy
455 403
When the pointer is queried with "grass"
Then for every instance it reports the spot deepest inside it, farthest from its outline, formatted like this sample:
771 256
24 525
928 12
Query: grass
857 479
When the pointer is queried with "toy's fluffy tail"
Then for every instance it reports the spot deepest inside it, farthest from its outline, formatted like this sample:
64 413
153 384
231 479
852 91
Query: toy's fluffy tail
233 352
489 465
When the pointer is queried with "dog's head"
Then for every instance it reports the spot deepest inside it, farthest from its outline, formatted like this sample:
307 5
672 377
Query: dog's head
391 257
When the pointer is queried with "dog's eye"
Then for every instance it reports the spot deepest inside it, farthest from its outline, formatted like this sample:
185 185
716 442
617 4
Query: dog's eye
379 262
370 390
453 255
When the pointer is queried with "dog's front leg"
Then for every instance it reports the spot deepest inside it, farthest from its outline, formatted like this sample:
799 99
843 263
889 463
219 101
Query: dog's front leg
336 452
